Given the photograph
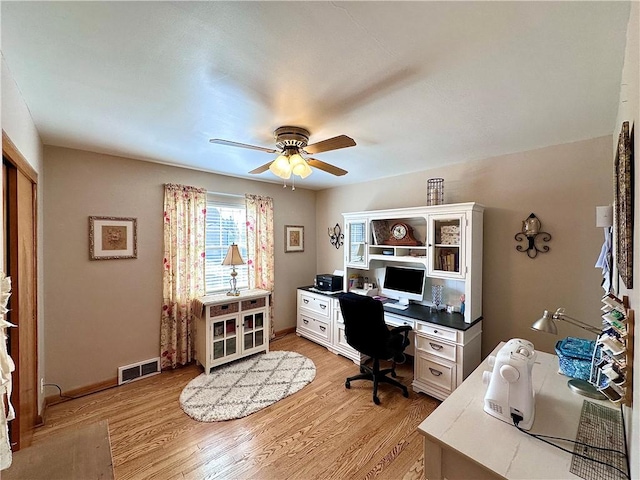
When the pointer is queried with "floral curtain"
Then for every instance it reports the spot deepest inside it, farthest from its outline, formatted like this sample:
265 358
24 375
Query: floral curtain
183 270
260 246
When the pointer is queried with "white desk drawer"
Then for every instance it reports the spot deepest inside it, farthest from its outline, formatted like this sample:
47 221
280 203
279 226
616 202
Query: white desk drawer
315 304
437 331
436 347
398 321
436 373
317 328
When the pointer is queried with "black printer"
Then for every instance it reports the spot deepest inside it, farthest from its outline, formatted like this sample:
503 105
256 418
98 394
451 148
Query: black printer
328 283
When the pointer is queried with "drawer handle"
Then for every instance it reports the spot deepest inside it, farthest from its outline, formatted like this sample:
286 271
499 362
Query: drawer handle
224 307
323 306
305 300
253 302
435 372
322 328
435 346
306 322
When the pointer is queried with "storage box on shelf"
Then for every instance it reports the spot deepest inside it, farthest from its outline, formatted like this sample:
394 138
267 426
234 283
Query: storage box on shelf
228 328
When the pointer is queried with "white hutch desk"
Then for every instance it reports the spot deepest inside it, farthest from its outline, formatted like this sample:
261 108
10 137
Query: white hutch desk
462 441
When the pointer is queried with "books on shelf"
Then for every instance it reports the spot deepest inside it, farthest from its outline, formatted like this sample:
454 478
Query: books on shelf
448 261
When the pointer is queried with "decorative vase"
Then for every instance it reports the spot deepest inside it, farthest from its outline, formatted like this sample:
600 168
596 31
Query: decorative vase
436 296
435 191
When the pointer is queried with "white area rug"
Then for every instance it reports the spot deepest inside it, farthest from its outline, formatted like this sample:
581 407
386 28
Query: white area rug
243 387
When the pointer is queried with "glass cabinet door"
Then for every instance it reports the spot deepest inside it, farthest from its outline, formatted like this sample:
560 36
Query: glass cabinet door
446 246
357 246
253 330
225 338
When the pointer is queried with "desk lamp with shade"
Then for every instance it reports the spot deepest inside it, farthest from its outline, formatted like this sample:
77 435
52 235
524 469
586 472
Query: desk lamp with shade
233 258
547 324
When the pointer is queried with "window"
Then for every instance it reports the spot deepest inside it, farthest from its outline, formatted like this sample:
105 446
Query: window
226 224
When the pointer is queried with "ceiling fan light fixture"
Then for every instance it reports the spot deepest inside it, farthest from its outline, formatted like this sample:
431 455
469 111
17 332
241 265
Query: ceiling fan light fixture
299 166
291 143
280 167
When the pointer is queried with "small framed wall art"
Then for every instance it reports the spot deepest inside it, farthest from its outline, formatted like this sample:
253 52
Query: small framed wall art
293 238
112 238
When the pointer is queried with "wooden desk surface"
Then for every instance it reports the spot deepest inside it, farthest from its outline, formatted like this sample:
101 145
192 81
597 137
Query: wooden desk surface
460 431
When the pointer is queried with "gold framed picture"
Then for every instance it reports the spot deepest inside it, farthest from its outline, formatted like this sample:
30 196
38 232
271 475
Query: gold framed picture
112 238
293 238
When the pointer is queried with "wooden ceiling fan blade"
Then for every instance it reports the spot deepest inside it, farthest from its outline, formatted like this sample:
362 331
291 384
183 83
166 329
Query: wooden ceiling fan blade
341 141
262 168
320 165
229 143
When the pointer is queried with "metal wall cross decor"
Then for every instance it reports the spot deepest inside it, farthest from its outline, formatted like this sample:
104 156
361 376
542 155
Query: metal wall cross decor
336 236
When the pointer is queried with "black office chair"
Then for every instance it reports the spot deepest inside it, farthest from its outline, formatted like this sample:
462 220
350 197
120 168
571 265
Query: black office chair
368 334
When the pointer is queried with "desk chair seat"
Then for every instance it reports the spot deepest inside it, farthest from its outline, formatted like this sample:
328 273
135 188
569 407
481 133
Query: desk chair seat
368 334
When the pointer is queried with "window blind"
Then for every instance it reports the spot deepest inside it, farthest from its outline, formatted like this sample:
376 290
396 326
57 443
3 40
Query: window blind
225 224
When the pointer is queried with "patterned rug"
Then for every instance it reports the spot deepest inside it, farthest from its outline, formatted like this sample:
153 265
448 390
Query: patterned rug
243 387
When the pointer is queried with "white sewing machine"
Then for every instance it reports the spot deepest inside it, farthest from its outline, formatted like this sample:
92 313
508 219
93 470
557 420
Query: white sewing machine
510 390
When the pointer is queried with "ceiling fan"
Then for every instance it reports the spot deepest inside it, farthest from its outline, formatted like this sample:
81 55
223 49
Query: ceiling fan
292 144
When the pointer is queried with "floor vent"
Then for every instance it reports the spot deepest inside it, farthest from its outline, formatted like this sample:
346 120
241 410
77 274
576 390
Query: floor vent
129 373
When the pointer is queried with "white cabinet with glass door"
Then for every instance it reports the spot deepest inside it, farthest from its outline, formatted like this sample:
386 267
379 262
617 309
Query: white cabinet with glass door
356 246
231 327
446 252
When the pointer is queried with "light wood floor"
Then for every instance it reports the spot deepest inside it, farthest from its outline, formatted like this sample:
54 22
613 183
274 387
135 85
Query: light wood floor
322 432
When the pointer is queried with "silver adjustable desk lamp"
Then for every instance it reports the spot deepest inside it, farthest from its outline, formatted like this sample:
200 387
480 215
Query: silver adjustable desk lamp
547 324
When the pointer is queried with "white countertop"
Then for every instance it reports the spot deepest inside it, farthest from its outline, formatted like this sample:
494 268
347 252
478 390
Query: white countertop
223 297
461 425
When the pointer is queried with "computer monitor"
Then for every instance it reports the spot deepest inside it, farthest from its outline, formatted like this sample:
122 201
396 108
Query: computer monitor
403 283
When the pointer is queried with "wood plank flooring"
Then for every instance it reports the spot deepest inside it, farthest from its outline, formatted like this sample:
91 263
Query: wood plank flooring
323 431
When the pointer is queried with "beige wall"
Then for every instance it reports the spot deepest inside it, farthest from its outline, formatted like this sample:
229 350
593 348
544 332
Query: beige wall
562 185
105 314
629 110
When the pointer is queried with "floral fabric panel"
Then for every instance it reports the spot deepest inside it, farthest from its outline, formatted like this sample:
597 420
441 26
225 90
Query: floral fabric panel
182 270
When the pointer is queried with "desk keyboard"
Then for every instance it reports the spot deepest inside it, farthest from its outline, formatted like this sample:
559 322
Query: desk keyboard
601 427
396 306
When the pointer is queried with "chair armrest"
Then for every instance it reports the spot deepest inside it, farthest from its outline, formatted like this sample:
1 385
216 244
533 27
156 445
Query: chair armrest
401 329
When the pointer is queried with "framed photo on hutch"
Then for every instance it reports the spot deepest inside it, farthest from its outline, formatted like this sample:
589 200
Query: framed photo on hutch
112 238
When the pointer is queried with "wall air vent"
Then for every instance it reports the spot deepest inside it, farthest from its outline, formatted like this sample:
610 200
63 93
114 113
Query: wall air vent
135 371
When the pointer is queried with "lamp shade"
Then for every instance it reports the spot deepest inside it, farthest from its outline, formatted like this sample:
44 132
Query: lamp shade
545 324
299 166
233 256
280 167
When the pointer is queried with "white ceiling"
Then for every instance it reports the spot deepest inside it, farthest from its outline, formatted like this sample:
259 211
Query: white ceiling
416 84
